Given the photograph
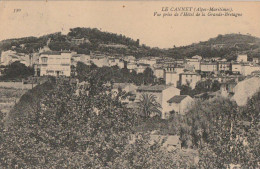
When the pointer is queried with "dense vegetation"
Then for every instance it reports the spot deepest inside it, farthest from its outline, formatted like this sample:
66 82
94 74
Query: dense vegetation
224 46
16 71
60 125
61 128
223 132
115 75
201 87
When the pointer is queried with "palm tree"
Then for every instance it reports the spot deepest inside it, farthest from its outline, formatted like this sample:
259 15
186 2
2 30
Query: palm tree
148 105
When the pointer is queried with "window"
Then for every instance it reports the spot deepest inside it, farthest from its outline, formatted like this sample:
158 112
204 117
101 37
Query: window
50 71
44 59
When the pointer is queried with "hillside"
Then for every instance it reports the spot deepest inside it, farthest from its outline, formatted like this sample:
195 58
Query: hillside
98 41
224 46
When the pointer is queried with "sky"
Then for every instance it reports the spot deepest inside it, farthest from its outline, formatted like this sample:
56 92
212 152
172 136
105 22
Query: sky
134 19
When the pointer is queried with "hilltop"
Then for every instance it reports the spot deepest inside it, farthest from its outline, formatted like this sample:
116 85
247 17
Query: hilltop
224 46
96 41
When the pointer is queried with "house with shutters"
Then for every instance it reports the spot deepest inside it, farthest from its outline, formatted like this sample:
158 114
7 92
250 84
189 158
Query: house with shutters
55 63
180 104
189 79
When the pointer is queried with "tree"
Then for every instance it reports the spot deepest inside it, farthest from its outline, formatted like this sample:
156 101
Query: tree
148 76
17 70
148 106
224 133
83 70
65 130
142 153
185 90
62 129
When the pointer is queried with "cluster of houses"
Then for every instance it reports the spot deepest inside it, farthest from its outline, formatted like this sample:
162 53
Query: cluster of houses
175 72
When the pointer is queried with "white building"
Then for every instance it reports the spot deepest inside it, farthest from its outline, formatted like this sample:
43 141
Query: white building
148 61
159 72
131 66
193 63
100 61
179 69
130 59
209 67
171 78
172 75
54 63
180 104
189 79
242 58
116 62
224 66
248 69
237 68
80 58
197 57
255 60
78 41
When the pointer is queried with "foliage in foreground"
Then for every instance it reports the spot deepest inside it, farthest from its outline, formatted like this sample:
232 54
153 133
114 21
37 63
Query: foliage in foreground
69 129
224 133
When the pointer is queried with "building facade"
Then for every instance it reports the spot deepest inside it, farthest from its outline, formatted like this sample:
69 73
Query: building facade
53 63
189 79
236 68
224 66
208 67
180 104
242 58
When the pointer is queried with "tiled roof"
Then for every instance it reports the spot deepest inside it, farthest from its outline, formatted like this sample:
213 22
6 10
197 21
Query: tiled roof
55 52
177 99
189 73
51 53
77 55
209 63
153 88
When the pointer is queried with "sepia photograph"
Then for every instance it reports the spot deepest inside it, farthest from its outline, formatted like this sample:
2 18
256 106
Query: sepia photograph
129 84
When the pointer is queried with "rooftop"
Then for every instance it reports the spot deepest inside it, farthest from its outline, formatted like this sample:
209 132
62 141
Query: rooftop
189 73
51 53
155 88
209 63
177 99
